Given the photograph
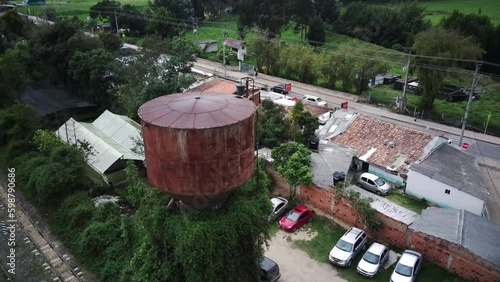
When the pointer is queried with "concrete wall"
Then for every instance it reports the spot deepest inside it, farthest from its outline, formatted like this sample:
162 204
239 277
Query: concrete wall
422 186
394 178
444 254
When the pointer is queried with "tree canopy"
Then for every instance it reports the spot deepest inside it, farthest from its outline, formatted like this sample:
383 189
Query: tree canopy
439 42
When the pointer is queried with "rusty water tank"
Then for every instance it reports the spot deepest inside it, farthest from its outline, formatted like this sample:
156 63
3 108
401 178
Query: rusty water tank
199 147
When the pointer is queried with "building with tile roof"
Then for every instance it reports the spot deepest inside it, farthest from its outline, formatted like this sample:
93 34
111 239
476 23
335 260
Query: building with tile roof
383 148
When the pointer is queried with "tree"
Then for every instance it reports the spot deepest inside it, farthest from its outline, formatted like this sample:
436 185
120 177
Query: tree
479 27
152 76
283 152
14 73
328 10
292 160
303 123
301 12
133 18
269 15
58 170
94 72
110 41
267 54
12 26
136 190
298 63
160 24
18 123
316 35
273 127
105 10
329 69
439 42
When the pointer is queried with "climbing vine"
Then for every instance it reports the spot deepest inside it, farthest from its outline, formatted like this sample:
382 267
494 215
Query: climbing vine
360 204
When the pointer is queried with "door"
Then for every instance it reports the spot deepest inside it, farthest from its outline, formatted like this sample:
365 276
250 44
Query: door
371 185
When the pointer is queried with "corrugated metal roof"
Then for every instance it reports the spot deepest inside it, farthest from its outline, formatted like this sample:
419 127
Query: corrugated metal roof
196 110
473 232
111 136
456 168
387 207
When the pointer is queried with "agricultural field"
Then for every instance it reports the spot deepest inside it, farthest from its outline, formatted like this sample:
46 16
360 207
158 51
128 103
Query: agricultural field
437 9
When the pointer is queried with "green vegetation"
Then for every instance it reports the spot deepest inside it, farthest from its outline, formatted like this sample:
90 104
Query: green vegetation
329 233
436 10
408 202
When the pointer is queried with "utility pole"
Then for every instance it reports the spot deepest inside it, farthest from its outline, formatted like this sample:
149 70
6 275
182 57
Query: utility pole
224 52
407 69
116 23
475 80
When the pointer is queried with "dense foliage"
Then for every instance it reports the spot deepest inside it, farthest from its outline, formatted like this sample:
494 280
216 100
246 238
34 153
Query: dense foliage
273 126
292 161
385 26
439 42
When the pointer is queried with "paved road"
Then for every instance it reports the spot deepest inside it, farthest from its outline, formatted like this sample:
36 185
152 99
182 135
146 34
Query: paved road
334 98
485 148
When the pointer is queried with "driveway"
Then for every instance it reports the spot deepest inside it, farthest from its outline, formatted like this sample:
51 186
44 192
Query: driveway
295 264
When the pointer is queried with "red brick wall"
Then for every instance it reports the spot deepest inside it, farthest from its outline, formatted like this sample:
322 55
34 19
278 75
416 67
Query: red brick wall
465 264
461 262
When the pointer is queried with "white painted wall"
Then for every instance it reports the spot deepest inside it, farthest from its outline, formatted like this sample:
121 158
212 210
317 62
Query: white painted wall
421 186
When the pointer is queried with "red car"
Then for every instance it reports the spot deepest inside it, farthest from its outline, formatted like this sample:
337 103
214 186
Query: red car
296 218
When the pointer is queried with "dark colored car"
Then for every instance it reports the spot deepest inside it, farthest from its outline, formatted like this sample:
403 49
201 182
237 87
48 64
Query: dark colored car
279 89
270 270
296 218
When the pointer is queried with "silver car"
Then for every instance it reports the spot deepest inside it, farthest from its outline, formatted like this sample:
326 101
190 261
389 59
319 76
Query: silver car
279 207
374 183
372 261
408 266
348 247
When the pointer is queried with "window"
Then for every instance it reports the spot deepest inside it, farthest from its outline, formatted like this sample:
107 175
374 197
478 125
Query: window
356 245
447 191
371 182
279 206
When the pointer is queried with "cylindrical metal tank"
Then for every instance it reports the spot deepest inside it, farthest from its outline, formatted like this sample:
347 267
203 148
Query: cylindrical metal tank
199 147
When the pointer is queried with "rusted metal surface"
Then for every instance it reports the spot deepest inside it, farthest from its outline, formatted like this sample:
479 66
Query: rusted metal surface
199 150
196 110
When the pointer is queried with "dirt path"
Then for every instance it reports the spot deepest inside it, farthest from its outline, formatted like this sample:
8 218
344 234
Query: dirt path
295 264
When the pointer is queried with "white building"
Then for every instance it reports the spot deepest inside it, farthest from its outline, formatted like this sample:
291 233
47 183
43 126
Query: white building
112 139
449 178
236 45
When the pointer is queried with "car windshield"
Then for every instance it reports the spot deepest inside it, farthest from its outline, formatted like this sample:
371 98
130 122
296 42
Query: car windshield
379 182
293 216
403 270
371 258
344 246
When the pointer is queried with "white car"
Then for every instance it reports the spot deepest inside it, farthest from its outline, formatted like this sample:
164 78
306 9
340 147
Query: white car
324 118
314 100
372 261
408 267
279 207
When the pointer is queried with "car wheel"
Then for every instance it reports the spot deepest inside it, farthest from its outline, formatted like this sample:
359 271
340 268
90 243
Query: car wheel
294 229
378 193
348 263
359 185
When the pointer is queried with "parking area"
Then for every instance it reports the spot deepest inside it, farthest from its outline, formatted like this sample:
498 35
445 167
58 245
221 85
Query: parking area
295 264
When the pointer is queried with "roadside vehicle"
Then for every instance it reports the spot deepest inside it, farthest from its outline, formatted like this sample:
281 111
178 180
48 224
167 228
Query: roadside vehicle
270 270
373 183
407 268
314 101
279 89
279 206
348 247
296 218
373 259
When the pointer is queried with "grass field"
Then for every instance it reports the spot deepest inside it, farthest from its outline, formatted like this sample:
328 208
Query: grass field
437 9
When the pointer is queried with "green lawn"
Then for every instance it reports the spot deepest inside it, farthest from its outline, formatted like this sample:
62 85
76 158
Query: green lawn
328 234
410 203
437 9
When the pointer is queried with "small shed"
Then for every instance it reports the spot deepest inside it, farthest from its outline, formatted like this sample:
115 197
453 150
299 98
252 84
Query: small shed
237 46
